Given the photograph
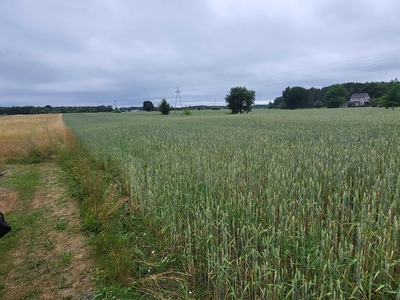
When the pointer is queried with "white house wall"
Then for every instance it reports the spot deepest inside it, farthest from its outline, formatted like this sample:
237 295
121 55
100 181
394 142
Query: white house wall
361 100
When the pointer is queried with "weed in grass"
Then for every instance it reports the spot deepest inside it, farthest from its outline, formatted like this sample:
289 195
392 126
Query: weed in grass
31 296
49 245
117 292
91 225
66 257
35 262
61 225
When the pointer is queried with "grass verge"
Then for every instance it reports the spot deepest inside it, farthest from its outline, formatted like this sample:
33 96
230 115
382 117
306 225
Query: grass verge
132 260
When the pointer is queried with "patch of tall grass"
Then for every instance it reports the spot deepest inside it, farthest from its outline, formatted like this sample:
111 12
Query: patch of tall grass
273 204
31 138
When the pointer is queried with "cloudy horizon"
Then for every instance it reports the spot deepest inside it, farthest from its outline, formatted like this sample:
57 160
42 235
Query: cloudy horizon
98 52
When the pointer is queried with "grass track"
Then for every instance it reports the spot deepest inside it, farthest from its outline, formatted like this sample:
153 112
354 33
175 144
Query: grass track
44 256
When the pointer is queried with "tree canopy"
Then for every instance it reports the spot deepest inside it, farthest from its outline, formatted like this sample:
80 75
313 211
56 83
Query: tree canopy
164 107
148 106
48 109
318 104
335 96
295 97
240 99
374 90
378 102
392 98
279 102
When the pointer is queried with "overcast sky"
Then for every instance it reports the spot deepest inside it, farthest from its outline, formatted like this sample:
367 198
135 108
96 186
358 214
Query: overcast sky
95 52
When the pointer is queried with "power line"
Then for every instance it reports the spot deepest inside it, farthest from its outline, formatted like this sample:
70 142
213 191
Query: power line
178 93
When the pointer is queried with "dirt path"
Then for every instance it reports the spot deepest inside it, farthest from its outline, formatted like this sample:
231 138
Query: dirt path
50 259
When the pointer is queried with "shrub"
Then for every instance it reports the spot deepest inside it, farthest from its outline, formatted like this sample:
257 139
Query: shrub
187 112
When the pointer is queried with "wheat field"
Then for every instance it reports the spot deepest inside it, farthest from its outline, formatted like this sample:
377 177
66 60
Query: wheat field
269 205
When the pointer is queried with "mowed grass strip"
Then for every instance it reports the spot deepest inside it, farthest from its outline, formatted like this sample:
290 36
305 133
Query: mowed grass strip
272 204
44 256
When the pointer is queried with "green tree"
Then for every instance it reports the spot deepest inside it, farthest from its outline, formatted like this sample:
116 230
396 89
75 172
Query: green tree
295 97
392 98
148 106
378 102
240 99
318 104
279 102
164 107
335 96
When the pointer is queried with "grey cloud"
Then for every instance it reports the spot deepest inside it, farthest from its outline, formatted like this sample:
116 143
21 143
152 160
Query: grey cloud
82 52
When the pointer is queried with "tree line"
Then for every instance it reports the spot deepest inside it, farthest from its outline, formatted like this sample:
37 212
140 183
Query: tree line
381 94
240 99
48 109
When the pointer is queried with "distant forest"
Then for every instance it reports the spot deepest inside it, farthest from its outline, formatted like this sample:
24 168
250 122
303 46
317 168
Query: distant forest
31 110
375 90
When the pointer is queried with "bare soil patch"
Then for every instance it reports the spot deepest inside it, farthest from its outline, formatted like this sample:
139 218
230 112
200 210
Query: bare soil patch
8 199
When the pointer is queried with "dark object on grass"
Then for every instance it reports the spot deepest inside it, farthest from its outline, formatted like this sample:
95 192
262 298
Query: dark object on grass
2 173
4 227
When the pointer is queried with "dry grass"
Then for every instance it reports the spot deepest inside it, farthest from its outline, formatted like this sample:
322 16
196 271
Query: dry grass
21 135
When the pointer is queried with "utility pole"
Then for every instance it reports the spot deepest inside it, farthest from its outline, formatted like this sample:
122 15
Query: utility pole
178 94
115 104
